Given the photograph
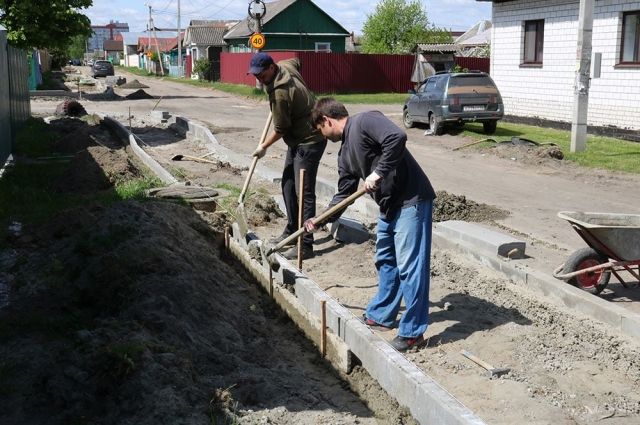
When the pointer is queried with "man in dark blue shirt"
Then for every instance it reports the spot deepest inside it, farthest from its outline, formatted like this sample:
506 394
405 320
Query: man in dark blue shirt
373 149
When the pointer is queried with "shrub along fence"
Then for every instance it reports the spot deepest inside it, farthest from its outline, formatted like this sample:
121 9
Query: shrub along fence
14 93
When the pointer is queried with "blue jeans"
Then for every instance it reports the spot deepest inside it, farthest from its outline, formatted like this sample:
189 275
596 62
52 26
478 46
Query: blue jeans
403 251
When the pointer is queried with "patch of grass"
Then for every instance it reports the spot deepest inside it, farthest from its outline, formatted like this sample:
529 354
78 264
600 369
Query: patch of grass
373 98
136 188
121 357
137 71
602 152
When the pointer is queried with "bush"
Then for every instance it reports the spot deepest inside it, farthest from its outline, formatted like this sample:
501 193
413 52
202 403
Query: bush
202 67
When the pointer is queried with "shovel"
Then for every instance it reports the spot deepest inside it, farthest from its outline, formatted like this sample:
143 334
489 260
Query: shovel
240 215
273 262
192 158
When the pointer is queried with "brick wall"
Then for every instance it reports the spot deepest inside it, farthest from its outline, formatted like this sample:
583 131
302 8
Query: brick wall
547 92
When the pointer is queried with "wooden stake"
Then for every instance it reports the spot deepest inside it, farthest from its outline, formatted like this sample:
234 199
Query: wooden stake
226 237
323 328
300 217
270 282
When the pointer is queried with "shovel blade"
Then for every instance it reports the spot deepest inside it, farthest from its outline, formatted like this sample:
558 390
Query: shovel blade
241 218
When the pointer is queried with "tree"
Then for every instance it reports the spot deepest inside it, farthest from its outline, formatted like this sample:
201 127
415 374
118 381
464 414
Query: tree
202 67
397 26
44 24
77 47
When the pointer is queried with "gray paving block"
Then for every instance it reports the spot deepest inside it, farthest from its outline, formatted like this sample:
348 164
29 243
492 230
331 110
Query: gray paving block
482 238
348 230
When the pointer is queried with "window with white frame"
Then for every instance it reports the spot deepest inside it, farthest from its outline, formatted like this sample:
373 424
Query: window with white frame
630 43
323 47
533 42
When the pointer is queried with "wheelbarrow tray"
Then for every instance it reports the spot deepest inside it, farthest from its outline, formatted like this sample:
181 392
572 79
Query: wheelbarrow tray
615 235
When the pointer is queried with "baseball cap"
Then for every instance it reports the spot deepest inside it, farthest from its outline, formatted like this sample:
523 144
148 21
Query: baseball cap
259 62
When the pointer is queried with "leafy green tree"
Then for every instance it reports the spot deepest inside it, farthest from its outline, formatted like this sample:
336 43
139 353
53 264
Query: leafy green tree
77 47
397 26
44 24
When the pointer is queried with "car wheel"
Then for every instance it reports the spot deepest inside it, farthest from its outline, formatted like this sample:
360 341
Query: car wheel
435 125
406 119
490 126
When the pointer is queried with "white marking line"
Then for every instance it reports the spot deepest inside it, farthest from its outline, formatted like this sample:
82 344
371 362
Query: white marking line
242 106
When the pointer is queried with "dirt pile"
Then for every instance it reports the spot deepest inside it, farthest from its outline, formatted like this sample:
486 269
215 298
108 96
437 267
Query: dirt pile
455 207
130 313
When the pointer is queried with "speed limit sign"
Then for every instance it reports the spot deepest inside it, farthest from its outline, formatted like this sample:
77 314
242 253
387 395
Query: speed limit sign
257 41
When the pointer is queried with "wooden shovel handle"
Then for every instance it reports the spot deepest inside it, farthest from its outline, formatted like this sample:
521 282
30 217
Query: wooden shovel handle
320 219
252 168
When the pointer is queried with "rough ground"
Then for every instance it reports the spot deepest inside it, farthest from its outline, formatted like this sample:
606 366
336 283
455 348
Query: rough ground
564 368
131 314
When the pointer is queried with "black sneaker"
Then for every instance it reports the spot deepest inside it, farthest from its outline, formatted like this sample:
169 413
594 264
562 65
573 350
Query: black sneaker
402 343
277 240
292 253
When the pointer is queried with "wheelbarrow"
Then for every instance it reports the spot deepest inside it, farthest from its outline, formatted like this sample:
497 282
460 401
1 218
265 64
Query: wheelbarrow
614 247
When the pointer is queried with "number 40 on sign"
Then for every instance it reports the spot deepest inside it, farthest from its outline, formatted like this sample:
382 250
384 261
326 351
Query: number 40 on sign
257 41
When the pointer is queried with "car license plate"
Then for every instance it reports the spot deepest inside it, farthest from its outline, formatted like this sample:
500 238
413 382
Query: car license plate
473 108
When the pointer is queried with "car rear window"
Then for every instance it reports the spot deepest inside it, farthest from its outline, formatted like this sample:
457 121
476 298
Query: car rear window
470 80
103 63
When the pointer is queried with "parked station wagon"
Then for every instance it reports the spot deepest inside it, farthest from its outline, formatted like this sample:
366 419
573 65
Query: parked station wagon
454 98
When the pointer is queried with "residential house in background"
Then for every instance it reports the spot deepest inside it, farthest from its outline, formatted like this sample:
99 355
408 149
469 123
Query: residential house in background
533 60
105 32
292 25
476 42
204 39
130 48
113 50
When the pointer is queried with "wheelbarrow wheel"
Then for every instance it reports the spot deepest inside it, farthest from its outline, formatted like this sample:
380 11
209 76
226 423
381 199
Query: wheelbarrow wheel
593 282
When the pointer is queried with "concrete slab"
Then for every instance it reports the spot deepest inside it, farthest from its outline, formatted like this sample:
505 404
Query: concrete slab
484 239
348 230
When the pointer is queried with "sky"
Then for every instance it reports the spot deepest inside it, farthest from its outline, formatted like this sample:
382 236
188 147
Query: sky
454 15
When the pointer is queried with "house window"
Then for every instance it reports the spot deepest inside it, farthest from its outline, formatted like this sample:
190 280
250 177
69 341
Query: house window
533 42
323 47
629 53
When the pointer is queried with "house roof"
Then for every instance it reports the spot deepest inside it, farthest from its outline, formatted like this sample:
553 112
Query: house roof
478 34
111 45
164 44
438 47
205 35
241 29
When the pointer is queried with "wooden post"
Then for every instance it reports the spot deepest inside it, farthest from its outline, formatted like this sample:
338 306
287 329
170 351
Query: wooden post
226 238
323 328
300 217
270 282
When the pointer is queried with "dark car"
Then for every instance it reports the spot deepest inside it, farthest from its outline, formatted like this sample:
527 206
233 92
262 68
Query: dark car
102 69
454 98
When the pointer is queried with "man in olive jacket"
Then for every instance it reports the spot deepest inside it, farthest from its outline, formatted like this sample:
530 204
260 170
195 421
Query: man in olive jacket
291 103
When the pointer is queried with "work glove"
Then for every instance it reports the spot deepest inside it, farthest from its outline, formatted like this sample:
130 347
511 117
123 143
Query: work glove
259 152
310 226
372 182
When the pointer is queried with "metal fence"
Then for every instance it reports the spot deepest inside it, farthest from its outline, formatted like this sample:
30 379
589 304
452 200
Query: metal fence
332 72
14 93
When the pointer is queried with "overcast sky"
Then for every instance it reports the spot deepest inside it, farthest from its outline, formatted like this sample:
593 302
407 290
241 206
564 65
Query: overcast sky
456 15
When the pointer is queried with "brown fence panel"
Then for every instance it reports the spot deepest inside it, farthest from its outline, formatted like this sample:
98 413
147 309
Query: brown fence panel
332 72
480 64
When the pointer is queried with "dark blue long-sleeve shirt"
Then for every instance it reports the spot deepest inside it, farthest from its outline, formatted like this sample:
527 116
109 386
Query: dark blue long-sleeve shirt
371 142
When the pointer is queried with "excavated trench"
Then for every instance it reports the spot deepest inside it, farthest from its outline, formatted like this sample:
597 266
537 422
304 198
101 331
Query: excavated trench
132 313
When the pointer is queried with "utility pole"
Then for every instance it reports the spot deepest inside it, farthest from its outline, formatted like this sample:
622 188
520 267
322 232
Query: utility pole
582 78
155 36
179 44
149 26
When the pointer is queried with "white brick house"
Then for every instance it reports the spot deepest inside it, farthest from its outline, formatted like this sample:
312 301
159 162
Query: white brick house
535 68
